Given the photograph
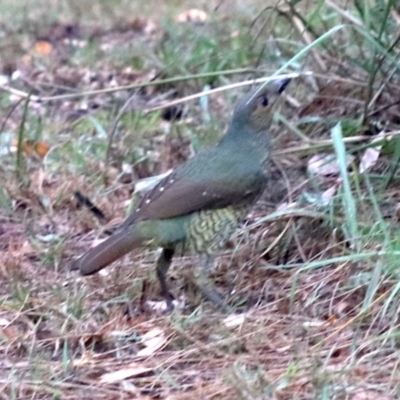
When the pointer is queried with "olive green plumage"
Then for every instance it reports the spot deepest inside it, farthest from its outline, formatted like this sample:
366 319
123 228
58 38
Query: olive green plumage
199 205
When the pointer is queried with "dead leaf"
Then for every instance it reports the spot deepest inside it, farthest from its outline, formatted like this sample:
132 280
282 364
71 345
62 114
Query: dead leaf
32 148
234 320
194 15
343 309
161 306
155 332
371 155
326 164
369 395
287 206
369 158
42 48
152 341
314 324
6 144
152 346
41 148
323 199
328 194
10 333
131 370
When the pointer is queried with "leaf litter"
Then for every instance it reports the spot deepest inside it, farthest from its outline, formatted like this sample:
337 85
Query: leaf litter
64 335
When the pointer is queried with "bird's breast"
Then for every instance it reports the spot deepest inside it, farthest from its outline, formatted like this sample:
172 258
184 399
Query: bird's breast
209 230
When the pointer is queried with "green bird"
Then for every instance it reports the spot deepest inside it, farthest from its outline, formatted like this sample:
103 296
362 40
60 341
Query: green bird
200 204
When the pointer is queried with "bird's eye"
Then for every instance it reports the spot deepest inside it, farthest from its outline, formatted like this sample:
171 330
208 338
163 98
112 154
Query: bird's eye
263 100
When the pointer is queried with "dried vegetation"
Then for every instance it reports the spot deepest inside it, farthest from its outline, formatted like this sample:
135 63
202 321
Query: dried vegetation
313 272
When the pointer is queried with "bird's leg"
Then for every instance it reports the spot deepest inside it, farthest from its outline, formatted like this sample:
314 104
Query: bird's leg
202 281
163 264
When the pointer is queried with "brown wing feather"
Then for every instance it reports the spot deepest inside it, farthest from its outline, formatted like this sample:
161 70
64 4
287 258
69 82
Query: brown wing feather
174 197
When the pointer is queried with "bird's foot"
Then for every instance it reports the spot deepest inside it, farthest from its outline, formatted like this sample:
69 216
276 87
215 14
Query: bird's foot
169 300
214 297
202 282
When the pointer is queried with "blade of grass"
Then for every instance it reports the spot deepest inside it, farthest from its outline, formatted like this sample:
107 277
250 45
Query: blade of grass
336 260
304 51
349 203
19 162
394 164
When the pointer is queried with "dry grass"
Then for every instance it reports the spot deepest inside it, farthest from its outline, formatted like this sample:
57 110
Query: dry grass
317 306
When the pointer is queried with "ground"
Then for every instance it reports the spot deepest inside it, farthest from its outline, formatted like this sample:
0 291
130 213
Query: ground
87 110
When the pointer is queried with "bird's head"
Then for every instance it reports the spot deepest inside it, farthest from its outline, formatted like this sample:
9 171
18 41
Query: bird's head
255 110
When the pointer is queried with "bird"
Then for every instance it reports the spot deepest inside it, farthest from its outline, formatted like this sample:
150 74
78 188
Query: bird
199 205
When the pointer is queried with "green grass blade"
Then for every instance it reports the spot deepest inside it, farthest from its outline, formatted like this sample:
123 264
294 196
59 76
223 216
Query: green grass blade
349 203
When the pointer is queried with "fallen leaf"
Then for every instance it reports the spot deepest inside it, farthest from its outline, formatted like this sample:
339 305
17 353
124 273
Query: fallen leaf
343 308
3 80
314 324
41 148
152 346
329 194
151 334
287 206
152 341
370 157
194 15
162 306
32 148
123 373
234 320
6 144
363 394
326 164
10 333
42 48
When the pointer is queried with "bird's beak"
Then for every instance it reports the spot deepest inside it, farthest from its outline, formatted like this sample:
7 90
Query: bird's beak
281 84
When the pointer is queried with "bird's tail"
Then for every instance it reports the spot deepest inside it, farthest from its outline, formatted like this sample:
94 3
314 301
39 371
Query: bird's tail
116 246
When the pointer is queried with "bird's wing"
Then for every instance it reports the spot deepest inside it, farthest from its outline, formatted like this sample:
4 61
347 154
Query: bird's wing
175 196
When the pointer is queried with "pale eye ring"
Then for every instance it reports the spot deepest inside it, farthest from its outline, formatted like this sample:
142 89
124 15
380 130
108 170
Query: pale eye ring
263 101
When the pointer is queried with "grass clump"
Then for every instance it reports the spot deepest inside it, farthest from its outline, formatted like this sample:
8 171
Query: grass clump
315 266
